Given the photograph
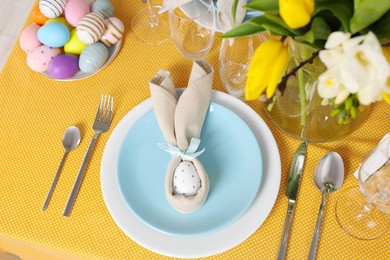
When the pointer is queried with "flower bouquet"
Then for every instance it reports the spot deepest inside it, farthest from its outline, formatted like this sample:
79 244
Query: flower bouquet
339 48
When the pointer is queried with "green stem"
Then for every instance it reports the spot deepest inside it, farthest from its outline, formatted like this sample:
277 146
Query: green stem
302 94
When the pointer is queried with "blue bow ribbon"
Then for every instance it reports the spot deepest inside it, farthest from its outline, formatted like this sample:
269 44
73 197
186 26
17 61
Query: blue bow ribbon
189 154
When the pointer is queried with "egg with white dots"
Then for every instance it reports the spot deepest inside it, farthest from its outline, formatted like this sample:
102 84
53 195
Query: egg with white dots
186 180
52 8
91 28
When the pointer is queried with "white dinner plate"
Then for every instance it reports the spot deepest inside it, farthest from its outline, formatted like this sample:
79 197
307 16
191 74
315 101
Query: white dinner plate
210 244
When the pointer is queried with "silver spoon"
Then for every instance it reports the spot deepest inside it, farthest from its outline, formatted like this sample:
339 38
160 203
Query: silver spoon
328 177
70 141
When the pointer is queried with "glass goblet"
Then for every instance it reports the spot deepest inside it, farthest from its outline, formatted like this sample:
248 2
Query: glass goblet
363 212
192 25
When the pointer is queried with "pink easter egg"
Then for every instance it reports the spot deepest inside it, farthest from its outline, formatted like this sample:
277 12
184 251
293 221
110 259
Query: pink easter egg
75 10
39 58
114 32
28 38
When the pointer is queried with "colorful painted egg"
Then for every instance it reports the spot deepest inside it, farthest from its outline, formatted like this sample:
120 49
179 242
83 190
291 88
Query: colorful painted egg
28 38
90 2
186 180
103 7
60 20
37 17
74 45
53 34
52 8
114 31
93 57
63 66
91 28
75 10
39 58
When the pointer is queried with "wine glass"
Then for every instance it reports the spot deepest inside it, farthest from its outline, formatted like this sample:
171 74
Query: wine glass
363 212
192 24
149 26
234 58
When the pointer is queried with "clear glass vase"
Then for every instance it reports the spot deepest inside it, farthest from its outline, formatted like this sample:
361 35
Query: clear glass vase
301 112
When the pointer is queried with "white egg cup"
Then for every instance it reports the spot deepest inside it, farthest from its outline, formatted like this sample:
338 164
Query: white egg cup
182 203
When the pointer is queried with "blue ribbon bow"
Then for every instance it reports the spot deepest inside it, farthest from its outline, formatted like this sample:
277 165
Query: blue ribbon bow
189 154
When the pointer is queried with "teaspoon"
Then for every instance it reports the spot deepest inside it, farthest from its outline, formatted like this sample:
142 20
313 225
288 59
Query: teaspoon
328 177
70 141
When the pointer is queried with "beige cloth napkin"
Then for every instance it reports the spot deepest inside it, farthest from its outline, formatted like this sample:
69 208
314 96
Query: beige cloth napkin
180 120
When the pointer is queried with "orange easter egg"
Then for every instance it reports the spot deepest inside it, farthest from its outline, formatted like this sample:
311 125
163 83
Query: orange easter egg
37 16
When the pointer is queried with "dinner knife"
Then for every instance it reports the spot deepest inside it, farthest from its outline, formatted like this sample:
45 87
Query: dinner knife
294 179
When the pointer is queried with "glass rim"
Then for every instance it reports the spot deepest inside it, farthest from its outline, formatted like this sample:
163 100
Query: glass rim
172 10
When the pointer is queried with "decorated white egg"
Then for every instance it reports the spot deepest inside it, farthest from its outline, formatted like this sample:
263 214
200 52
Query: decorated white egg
52 8
103 7
93 57
91 28
114 31
186 180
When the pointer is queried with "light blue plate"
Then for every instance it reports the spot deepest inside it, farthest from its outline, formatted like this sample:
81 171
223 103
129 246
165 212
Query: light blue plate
232 160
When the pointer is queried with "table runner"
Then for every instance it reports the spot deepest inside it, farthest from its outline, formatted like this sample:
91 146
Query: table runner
35 111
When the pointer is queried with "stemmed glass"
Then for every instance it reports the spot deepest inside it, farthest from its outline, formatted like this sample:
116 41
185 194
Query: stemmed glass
149 26
364 211
192 24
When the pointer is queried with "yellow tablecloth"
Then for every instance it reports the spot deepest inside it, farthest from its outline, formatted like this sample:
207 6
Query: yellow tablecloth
35 111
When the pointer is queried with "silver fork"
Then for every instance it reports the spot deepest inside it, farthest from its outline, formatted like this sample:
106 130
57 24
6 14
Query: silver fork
101 124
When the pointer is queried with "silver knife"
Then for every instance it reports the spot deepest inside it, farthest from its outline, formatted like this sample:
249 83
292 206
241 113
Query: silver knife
294 179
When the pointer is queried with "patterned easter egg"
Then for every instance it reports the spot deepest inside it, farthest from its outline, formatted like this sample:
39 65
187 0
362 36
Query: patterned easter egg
103 7
91 28
39 58
114 31
52 8
186 180
28 38
93 57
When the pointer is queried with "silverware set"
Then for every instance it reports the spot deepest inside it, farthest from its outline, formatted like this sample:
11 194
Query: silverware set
71 140
328 177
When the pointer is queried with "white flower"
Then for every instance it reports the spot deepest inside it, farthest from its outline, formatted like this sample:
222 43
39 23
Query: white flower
354 65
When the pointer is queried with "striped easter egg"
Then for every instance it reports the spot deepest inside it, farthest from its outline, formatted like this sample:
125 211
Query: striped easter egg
114 31
52 8
103 7
91 28
93 57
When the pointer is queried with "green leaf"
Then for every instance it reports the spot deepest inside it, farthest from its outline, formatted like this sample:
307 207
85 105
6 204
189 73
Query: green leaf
234 10
273 24
367 12
319 30
267 6
382 29
244 29
342 10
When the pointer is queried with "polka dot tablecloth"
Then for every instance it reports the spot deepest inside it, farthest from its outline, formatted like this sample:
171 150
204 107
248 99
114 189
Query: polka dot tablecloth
35 111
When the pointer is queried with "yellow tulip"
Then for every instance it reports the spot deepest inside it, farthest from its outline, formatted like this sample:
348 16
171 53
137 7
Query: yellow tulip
267 67
296 13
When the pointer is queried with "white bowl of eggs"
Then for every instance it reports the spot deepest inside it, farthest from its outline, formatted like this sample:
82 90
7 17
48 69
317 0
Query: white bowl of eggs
71 39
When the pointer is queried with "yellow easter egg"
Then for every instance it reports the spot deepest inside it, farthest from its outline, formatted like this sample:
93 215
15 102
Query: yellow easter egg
74 45
61 20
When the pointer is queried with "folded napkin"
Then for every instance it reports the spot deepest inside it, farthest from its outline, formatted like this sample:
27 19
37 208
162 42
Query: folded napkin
224 12
225 17
181 120
375 161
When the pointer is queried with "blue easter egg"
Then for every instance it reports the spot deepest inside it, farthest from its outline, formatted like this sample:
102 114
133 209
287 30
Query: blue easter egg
104 7
53 34
93 57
